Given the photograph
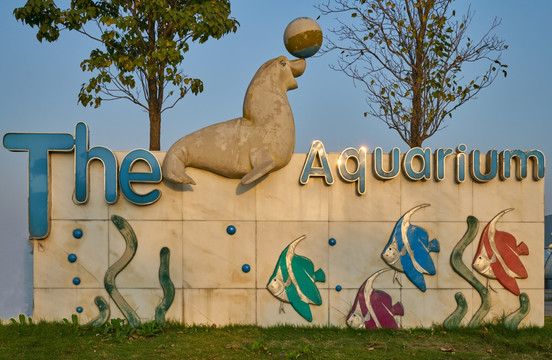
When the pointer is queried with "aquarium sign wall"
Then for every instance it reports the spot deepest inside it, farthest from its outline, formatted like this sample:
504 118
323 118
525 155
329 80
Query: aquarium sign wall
361 239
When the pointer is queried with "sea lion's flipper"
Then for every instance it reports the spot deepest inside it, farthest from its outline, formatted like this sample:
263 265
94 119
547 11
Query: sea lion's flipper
262 164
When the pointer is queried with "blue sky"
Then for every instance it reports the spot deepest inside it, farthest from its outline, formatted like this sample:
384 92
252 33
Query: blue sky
41 82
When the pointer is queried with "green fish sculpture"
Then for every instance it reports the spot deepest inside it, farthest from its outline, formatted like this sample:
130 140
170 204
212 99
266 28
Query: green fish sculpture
293 280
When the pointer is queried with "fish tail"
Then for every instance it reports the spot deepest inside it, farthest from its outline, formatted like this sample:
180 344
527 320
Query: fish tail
397 309
434 246
319 275
522 249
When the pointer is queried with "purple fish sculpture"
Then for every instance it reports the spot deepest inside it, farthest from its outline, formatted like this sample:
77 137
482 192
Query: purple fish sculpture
373 309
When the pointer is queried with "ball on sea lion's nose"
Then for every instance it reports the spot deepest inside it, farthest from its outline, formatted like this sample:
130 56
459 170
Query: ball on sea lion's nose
303 37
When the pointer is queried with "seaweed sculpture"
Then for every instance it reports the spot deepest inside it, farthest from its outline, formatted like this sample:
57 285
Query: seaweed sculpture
453 321
166 284
109 281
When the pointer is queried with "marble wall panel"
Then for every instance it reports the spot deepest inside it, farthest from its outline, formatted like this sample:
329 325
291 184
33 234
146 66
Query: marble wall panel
217 198
219 306
52 269
357 252
280 196
272 312
525 197
449 200
381 202
211 258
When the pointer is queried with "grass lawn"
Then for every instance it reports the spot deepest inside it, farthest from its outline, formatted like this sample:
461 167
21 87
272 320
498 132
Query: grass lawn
150 341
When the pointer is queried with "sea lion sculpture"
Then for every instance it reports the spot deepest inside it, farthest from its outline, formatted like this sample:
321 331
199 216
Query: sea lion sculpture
248 147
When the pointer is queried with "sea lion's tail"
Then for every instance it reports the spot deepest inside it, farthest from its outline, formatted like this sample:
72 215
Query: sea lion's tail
174 168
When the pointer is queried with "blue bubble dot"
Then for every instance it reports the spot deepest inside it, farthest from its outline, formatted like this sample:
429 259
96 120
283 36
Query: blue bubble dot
79 309
246 268
332 241
231 229
77 233
72 258
76 280
338 288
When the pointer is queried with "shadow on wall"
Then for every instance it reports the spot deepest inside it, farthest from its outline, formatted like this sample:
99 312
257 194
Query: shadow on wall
17 279
547 252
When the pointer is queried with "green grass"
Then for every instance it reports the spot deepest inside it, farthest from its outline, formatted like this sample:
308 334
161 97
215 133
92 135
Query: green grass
68 340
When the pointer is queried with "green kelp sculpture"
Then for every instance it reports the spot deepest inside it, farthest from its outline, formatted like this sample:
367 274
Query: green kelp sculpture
453 321
105 313
109 280
512 321
166 284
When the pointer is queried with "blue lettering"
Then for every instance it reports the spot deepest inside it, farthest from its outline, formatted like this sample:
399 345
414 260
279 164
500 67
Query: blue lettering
491 166
395 164
127 177
316 150
360 173
425 158
38 146
521 158
83 156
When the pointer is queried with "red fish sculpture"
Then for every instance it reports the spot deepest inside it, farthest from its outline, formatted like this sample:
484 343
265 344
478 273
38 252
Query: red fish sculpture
373 309
497 256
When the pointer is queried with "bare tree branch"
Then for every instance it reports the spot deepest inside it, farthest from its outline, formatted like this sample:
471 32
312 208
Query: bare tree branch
409 56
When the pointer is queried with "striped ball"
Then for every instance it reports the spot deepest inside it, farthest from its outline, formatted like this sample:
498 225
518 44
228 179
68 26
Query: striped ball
303 37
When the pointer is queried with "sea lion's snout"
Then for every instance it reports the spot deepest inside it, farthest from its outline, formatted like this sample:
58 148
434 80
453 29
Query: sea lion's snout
298 67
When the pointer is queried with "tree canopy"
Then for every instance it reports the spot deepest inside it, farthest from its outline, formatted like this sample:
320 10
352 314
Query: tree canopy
409 55
141 46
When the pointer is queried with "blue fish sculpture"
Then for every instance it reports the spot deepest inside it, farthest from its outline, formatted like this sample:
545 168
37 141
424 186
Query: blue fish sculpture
408 250
293 281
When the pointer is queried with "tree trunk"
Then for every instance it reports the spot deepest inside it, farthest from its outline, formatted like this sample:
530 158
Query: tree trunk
155 130
416 128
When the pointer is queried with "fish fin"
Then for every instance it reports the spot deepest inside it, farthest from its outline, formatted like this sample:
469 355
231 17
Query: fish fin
420 250
370 324
319 275
303 309
397 309
504 279
307 289
299 305
510 254
434 245
416 277
522 249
